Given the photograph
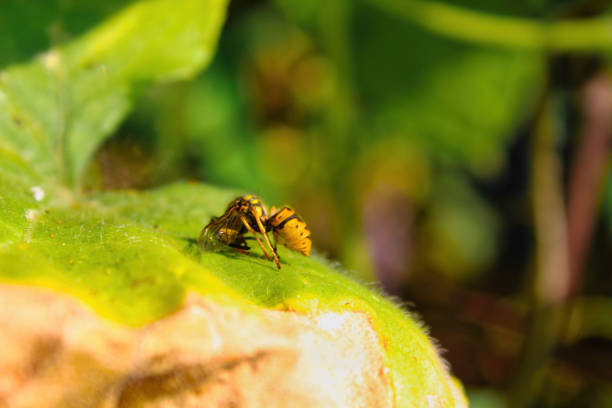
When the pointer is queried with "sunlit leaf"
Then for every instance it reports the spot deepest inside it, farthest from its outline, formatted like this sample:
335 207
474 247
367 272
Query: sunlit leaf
131 256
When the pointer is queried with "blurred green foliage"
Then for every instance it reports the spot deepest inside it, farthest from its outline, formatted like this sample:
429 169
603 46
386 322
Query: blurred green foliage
399 132
28 28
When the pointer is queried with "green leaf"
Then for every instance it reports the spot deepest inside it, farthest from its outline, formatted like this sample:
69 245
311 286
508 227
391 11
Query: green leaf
130 255
60 107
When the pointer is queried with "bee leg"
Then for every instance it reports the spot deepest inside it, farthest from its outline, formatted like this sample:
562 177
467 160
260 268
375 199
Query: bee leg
242 251
241 244
252 231
240 248
263 232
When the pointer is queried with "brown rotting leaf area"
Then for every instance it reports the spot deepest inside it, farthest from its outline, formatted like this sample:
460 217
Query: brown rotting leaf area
56 352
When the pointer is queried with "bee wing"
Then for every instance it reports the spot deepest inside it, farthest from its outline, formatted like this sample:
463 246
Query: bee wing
223 230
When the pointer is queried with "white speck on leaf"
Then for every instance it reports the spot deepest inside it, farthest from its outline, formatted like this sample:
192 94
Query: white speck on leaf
31 215
433 401
37 192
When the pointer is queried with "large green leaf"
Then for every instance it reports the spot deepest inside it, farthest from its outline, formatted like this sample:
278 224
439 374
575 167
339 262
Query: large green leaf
131 255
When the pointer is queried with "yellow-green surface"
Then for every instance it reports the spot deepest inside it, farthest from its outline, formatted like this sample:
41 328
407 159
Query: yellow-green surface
131 255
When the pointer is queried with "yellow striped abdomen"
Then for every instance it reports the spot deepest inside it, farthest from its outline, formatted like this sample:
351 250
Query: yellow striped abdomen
290 230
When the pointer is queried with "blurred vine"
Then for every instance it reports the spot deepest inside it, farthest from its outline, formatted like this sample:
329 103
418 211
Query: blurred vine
587 34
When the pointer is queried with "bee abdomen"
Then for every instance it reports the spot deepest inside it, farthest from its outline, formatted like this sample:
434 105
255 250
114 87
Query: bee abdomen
291 230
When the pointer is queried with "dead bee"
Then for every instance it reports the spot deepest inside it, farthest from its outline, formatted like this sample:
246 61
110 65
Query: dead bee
290 230
244 214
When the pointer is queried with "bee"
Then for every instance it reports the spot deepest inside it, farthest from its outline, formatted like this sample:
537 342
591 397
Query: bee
290 230
244 214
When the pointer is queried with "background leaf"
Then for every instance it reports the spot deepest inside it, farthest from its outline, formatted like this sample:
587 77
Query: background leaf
31 27
459 101
64 104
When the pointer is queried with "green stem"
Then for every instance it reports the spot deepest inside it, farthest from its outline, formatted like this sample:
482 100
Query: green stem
589 34
551 283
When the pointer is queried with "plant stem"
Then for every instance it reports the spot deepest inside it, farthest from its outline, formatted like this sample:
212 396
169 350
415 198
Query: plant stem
589 34
562 242
552 275
588 172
